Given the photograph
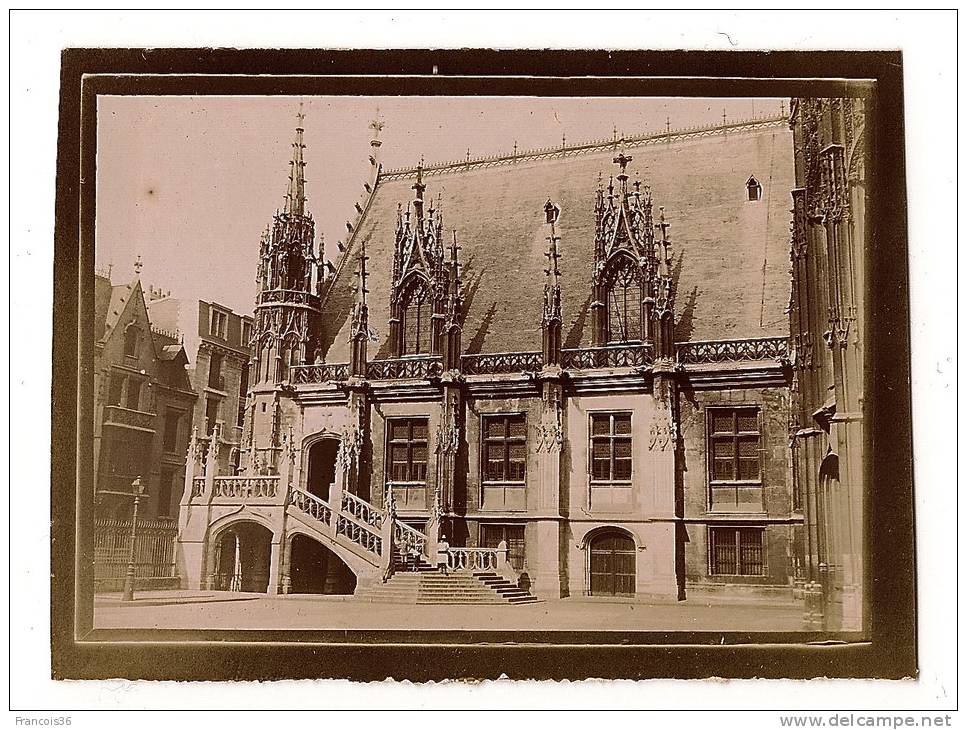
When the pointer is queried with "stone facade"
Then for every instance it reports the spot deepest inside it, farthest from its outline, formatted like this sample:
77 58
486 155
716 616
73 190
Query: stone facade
533 379
827 321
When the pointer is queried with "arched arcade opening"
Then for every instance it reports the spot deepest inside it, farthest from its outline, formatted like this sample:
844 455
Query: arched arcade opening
242 554
314 568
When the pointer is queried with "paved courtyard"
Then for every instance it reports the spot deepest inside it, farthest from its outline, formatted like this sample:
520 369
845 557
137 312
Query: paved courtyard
219 610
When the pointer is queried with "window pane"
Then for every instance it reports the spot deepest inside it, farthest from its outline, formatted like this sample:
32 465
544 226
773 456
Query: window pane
622 468
749 468
722 421
723 551
723 448
622 449
748 420
419 454
517 455
418 473
600 424
495 427
494 461
723 469
622 423
749 447
601 450
420 430
518 427
114 397
398 453
134 395
398 430
600 468
750 542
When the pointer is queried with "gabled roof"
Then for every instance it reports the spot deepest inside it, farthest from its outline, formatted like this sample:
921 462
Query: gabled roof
730 254
110 303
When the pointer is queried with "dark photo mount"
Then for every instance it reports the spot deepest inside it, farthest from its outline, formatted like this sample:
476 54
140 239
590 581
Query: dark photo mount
887 649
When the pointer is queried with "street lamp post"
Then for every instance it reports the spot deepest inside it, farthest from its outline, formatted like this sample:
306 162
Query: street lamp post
137 492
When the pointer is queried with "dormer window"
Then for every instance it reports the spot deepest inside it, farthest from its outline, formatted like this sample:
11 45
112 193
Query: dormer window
754 189
132 340
416 320
624 302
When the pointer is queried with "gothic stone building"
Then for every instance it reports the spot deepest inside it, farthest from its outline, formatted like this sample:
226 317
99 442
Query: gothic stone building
571 365
827 325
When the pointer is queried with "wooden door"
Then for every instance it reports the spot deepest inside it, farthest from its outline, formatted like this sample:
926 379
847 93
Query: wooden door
613 565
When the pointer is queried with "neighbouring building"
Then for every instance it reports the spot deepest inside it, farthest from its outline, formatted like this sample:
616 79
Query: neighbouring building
572 364
217 342
828 323
143 405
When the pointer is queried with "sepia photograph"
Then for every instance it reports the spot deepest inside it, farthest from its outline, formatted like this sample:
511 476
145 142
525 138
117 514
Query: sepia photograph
549 374
419 369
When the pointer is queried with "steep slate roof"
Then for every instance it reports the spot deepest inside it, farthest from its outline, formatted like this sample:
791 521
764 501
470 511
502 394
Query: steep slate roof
110 303
731 255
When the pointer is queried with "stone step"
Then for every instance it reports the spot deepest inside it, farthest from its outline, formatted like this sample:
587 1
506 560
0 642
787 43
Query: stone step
429 586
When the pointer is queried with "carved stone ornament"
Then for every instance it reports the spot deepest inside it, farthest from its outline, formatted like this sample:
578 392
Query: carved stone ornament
663 433
448 432
551 429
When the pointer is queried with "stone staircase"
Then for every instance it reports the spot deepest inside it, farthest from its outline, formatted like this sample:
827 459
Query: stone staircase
360 534
427 585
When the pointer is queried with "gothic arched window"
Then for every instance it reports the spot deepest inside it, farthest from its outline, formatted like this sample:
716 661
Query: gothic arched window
266 356
624 302
754 189
416 321
290 356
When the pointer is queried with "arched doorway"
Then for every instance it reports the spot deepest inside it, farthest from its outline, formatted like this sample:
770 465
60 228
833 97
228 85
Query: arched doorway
831 518
241 558
321 467
612 564
314 568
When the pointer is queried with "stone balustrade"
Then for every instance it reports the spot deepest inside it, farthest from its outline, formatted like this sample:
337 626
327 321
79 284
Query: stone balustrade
363 535
409 540
321 373
197 486
405 367
245 489
717 351
607 356
501 362
474 560
362 510
311 505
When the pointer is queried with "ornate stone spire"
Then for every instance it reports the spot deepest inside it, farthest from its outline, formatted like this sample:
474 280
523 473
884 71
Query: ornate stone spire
663 292
287 307
359 338
295 197
552 318
453 310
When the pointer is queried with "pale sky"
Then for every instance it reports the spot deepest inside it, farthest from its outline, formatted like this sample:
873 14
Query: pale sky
189 183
